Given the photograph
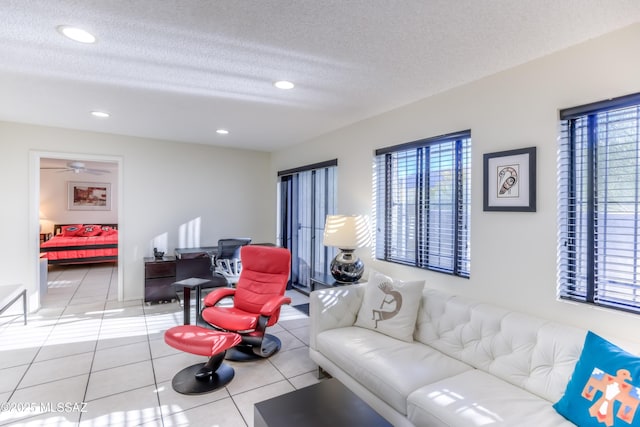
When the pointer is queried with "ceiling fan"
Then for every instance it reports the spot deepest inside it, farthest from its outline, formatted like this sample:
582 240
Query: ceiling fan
78 167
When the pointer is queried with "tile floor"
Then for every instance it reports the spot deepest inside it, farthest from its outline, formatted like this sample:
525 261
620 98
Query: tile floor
86 359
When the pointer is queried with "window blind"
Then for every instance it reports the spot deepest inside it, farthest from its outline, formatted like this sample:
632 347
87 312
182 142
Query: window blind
599 204
423 192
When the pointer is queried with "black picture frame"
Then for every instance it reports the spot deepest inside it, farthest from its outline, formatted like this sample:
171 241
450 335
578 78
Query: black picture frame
509 180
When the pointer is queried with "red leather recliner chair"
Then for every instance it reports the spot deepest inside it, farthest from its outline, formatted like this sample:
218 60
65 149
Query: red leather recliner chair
257 299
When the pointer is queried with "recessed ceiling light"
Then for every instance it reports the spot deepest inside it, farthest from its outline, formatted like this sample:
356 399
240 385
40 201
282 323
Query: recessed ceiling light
222 132
77 34
283 84
100 114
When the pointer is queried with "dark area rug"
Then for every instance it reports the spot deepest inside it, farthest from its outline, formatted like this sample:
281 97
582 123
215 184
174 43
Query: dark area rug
304 308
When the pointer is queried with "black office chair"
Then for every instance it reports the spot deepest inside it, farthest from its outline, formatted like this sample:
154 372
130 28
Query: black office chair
227 260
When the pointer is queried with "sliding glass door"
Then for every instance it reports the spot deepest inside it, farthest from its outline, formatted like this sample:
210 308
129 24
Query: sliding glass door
306 196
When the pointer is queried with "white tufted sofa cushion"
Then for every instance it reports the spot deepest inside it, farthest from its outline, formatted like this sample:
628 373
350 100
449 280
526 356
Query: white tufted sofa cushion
333 308
529 352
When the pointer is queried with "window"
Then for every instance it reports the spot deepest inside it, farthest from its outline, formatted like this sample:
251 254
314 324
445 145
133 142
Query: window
599 203
423 195
307 194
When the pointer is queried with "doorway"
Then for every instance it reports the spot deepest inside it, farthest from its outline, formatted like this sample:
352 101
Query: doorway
306 196
63 169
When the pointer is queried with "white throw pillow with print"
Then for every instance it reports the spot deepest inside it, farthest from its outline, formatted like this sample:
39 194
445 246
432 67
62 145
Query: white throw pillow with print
390 306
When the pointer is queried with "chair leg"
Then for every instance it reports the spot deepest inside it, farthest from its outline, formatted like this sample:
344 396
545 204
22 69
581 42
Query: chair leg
270 346
212 365
267 346
203 377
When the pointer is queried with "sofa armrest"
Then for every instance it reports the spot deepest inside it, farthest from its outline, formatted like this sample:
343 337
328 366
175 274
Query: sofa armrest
333 308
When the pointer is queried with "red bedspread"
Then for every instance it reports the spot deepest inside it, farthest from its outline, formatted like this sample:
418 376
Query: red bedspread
81 249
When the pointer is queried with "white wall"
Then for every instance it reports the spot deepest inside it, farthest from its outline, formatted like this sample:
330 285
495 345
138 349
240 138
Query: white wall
512 254
167 188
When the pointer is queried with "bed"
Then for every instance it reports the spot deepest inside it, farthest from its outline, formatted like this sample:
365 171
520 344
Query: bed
81 244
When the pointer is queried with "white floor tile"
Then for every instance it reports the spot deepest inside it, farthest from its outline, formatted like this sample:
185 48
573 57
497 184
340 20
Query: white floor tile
46 397
57 369
172 402
252 375
49 419
166 367
127 408
120 379
117 341
305 380
54 351
220 413
159 348
288 340
116 356
302 333
293 362
11 377
17 357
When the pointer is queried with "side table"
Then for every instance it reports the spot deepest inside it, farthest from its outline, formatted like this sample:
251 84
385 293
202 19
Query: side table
327 281
187 285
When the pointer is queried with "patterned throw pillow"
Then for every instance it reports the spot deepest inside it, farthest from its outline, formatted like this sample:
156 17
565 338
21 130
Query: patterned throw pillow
72 230
90 231
604 388
107 230
390 306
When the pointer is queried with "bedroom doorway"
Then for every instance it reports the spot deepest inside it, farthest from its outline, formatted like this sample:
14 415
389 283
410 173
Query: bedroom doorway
57 177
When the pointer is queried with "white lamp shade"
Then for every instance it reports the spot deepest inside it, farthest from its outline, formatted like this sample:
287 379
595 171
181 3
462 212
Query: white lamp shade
347 231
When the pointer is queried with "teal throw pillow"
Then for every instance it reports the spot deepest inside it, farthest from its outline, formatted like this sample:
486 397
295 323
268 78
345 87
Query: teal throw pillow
604 388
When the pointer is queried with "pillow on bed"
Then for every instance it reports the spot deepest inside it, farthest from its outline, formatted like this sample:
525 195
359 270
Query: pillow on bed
71 230
107 230
90 231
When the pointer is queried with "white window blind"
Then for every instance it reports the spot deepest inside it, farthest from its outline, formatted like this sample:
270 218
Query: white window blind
599 203
423 192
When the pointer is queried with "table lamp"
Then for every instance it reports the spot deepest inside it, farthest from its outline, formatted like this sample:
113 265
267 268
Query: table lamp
347 233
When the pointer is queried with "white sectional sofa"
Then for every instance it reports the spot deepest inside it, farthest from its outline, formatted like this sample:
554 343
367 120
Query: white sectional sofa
470 364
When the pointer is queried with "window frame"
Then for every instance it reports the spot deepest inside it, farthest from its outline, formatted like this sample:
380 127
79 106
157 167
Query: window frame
420 232
581 232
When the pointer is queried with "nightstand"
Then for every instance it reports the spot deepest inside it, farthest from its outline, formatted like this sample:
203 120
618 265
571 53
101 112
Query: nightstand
44 237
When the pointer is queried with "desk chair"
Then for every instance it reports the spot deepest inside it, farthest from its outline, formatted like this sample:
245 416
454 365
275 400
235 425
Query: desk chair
227 260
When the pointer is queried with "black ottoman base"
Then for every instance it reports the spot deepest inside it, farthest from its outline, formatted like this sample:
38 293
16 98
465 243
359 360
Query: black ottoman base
185 381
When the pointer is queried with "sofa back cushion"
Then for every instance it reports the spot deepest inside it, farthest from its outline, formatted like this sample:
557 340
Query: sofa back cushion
524 350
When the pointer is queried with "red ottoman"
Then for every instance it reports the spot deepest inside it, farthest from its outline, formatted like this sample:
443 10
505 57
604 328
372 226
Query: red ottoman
202 377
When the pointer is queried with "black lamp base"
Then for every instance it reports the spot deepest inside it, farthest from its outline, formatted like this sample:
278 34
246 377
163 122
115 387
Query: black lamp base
346 267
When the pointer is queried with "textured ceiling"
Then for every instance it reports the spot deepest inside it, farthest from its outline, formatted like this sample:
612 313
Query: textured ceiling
180 69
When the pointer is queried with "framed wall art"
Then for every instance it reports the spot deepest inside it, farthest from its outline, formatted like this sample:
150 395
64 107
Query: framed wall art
89 196
509 180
